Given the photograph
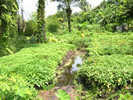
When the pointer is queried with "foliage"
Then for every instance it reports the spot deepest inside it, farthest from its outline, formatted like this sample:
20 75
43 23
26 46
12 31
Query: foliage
53 24
77 38
109 66
41 34
62 95
31 24
66 6
15 87
84 5
8 27
48 87
109 12
111 43
37 64
127 96
123 94
107 72
111 27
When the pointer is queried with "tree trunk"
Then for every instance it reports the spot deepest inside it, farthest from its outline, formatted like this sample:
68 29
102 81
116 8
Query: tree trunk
22 20
41 36
69 11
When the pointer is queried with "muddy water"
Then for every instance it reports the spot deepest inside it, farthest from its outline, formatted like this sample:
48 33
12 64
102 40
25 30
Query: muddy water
65 76
68 76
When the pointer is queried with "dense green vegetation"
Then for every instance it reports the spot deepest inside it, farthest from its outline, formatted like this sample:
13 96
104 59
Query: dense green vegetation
32 50
109 66
33 64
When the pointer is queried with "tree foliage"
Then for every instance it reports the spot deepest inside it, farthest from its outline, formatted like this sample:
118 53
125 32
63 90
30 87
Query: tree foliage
8 27
112 11
66 5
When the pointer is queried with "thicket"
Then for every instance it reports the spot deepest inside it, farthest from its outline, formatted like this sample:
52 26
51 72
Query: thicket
110 14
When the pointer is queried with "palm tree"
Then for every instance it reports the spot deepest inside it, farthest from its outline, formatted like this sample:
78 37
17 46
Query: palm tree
41 36
66 5
84 5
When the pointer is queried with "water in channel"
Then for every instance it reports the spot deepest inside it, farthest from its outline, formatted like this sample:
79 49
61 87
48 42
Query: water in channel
68 76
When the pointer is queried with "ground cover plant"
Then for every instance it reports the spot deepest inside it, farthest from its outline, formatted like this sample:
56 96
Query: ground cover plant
111 43
38 51
36 64
107 71
78 38
109 65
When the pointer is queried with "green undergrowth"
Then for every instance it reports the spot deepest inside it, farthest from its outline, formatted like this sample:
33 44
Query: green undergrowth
113 43
77 38
36 65
15 87
109 66
107 73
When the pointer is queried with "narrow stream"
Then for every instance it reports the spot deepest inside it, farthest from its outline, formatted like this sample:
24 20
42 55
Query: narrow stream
66 73
67 77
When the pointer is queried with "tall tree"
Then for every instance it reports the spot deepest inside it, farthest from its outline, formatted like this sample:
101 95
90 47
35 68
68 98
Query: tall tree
41 36
66 5
8 29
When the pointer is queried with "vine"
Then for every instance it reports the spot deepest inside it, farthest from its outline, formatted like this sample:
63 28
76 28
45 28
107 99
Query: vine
8 27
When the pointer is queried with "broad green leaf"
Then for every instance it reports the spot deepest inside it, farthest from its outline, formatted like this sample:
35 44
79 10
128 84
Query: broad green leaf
62 95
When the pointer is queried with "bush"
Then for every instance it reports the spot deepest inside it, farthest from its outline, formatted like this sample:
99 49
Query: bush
31 27
107 72
111 27
36 64
15 87
77 38
95 28
53 24
107 44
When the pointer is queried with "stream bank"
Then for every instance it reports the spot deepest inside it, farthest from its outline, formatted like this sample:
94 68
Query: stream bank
65 76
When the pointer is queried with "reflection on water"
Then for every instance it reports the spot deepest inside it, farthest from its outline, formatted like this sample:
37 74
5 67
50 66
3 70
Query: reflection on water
78 61
68 76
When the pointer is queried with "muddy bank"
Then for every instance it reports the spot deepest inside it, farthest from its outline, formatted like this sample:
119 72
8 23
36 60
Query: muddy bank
65 75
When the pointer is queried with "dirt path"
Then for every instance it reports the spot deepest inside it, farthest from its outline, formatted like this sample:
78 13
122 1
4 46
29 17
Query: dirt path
64 78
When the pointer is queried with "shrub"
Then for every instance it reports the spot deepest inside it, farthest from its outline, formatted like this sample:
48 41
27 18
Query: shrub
95 28
31 27
34 65
107 72
107 44
111 27
37 64
77 38
15 87
53 24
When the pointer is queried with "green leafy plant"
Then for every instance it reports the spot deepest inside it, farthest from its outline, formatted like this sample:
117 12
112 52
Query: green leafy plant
16 87
109 43
62 95
48 87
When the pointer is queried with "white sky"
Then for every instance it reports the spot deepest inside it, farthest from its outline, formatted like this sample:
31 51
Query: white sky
51 7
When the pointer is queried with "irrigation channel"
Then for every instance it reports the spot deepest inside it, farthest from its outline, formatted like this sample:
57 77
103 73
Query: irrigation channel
65 76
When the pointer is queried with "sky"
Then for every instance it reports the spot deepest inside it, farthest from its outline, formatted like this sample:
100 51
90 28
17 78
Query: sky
51 7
